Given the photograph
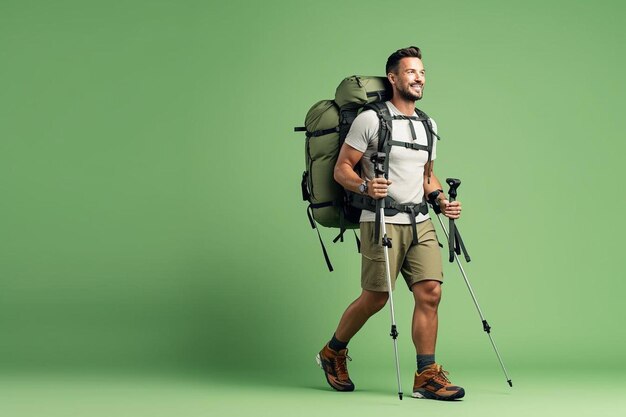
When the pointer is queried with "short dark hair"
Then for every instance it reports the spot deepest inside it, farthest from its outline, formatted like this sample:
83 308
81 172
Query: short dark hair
394 59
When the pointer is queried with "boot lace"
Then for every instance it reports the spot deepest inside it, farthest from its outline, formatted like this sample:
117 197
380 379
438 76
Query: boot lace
341 367
440 376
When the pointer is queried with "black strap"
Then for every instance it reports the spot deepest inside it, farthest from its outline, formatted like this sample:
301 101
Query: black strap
306 196
413 226
451 239
380 95
455 243
429 139
406 208
342 226
385 141
346 117
384 137
314 226
467 257
384 118
404 117
424 117
322 132
391 208
430 132
379 204
412 209
322 205
413 134
317 132
409 145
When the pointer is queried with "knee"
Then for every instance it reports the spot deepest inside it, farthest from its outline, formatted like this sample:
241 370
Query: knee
374 302
428 293
380 302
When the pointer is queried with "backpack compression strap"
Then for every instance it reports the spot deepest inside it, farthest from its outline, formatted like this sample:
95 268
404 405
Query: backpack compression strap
317 132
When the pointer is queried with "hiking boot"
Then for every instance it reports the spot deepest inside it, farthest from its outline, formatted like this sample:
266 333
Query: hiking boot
433 384
334 365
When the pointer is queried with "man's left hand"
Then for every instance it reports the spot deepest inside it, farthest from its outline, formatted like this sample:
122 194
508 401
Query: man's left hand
450 210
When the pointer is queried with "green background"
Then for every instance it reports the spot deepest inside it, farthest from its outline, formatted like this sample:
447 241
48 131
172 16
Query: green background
153 233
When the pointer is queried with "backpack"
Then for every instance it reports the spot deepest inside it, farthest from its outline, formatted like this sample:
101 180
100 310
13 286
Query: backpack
326 126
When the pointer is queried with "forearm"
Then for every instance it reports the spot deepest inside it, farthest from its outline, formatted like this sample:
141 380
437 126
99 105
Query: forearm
348 178
452 210
434 185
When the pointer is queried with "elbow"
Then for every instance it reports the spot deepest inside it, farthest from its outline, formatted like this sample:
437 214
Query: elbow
337 173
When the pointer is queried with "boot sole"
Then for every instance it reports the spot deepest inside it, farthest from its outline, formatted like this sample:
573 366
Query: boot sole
432 396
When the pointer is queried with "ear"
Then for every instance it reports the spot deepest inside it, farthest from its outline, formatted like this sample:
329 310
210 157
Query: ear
392 78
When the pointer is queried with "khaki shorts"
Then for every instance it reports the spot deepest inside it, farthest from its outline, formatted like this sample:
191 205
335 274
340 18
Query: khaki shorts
417 263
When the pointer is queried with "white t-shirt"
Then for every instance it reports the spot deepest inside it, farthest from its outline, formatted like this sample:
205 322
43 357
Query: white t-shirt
406 166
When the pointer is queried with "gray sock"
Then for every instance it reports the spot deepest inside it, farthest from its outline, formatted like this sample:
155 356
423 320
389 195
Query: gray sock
423 361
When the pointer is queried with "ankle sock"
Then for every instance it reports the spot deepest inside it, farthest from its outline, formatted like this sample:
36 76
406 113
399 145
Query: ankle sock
423 361
336 344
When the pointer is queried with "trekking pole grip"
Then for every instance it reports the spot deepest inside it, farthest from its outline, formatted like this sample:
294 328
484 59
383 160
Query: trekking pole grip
454 183
378 159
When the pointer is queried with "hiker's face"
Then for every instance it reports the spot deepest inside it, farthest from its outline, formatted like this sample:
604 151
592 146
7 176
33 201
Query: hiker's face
410 79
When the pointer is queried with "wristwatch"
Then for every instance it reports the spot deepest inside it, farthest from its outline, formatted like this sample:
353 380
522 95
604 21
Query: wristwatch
363 187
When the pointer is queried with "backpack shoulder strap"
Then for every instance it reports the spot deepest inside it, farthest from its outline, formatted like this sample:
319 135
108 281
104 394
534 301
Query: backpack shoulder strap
384 130
430 132
384 118
427 123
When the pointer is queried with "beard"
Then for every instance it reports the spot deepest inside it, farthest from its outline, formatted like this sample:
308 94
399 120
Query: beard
410 95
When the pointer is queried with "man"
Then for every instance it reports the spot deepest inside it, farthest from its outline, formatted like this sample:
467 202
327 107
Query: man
419 259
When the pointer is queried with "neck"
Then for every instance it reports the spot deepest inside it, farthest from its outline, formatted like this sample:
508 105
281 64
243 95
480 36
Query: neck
406 107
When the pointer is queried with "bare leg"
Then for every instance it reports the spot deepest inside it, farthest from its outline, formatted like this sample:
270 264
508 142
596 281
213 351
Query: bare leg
361 309
427 295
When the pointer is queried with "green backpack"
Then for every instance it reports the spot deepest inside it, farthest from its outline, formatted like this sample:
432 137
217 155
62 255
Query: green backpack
327 124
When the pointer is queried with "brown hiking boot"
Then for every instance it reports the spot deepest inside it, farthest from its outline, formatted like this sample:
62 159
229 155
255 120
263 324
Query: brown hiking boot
334 365
433 384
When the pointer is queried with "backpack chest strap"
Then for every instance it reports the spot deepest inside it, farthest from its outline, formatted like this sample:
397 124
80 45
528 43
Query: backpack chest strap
409 145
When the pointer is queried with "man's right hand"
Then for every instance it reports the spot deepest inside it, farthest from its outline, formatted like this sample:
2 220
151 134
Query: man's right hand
377 188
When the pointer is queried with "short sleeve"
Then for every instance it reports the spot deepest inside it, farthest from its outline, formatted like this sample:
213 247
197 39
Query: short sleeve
363 131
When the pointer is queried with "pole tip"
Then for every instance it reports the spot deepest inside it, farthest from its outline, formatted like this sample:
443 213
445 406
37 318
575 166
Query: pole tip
400 395
510 383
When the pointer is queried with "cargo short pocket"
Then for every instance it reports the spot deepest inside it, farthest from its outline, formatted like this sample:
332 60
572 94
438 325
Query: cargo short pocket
369 248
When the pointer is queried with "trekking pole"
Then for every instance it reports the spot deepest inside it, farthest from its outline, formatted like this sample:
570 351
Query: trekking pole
455 243
456 237
379 160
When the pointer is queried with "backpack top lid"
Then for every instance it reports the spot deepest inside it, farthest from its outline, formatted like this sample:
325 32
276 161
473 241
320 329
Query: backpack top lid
322 118
357 91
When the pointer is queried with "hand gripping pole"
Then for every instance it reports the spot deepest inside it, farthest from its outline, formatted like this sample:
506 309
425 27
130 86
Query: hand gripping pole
454 240
379 160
